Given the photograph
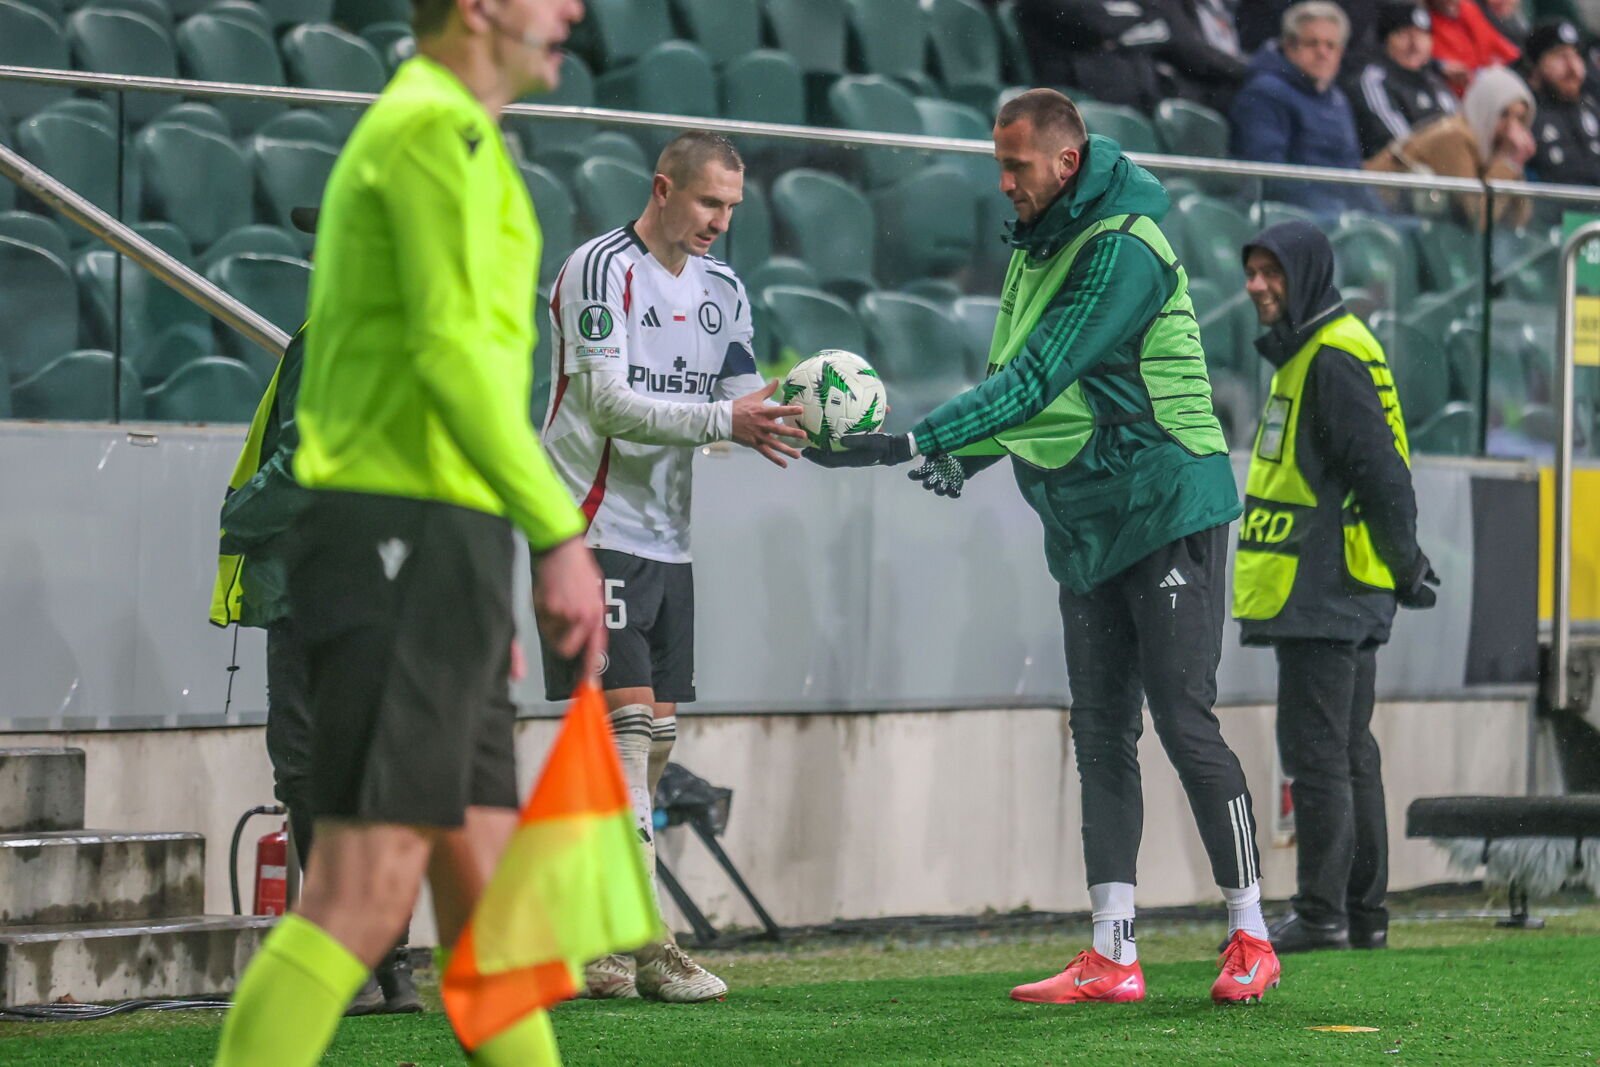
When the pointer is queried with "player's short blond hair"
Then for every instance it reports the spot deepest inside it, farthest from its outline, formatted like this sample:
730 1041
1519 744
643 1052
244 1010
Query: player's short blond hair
691 150
1054 116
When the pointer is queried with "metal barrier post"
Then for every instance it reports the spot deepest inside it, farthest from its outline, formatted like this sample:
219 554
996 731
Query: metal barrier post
1566 377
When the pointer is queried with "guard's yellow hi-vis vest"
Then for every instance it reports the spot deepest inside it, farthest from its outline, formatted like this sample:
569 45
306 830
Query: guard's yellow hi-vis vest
1282 511
227 593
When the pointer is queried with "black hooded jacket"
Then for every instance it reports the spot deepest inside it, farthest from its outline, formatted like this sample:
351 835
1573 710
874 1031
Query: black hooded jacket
1343 447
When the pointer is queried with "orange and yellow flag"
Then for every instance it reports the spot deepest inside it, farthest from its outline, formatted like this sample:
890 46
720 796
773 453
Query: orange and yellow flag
571 887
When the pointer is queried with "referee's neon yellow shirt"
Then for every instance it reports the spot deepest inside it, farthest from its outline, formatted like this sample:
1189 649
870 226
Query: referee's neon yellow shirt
419 343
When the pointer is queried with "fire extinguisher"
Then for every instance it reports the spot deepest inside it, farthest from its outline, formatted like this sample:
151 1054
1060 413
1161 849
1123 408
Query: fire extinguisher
272 865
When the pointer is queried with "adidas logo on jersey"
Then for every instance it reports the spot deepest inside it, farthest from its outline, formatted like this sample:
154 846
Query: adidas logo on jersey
651 318
1173 580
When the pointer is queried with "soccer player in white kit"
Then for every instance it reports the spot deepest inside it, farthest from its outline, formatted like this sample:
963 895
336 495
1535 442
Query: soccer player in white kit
651 353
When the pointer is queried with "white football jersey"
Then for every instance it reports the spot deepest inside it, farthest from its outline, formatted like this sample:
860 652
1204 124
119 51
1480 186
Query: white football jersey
681 347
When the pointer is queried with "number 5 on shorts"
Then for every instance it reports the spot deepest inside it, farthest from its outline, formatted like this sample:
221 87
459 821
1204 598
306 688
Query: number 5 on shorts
616 607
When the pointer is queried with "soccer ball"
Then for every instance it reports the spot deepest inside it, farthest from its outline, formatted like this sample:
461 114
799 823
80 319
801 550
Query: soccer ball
838 393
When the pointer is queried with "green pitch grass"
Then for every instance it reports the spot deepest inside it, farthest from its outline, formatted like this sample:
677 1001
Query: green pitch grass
1456 991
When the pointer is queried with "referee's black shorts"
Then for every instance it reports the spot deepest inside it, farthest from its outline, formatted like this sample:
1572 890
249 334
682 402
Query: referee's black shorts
405 610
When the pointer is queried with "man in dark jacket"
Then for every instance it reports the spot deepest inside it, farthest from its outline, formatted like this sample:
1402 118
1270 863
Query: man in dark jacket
1098 390
1107 48
1401 91
1327 546
1290 111
1566 129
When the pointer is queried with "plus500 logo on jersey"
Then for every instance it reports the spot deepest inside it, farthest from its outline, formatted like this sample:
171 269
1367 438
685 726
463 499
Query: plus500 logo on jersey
694 383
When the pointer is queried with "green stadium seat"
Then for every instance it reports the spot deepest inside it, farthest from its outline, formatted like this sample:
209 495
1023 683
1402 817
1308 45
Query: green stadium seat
55 10
1453 431
1371 254
120 42
927 225
156 11
1450 255
286 13
29 38
812 31
264 240
38 308
610 193
563 158
1127 127
196 180
763 86
915 345
781 270
749 241
994 251
289 174
1235 406
1017 67
1218 335
889 37
359 15
966 49
617 32
976 316
1188 129
557 217
805 321
1420 366
243 11
80 153
78 385
1264 213
575 90
200 116
302 124
829 224
726 29
1210 235
673 78
393 41
35 230
274 287
1463 346
159 330
326 57
215 48
873 102
943 118
209 389
941 291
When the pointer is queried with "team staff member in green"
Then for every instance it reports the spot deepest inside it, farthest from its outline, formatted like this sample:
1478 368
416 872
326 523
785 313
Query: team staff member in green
1098 391
416 442
1327 546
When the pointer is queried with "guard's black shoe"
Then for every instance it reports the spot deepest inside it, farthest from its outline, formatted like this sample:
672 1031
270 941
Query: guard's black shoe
1368 936
1292 933
369 1001
399 989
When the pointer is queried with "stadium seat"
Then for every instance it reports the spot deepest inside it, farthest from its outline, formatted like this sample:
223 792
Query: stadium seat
1450 255
829 224
749 241
1218 336
610 193
889 37
156 11
725 29
301 124
780 270
673 78
285 13
120 42
200 116
29 38
1453 431
576 90
209 389
1124 125
539 400
216 48
78 385
1371 254
197 180
557 217
873 102
80 153
359 15
927 225
812 31
38 308
393 41
55 10
941 291
563 158
1209 235
1463 346
35 230
764 86
804 321
616 32
159 330
1264 213
326 57
966 51
289 174
274 287
1016 66
1188 129
942 118
976 316
1234 405
245 11
264 240
1420 367
916 347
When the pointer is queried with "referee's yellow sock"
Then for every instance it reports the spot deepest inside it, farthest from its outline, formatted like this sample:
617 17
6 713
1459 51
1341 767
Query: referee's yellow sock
531 1042
291 998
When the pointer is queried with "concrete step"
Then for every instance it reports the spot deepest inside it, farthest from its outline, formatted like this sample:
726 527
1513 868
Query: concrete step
185 956
79 876
40 789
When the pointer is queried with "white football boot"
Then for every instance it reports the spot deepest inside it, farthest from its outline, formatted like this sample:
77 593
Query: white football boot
668 974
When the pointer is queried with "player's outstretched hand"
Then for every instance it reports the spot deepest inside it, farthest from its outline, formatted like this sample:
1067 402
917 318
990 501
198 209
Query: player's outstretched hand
568 603
759 425
941 475
864 450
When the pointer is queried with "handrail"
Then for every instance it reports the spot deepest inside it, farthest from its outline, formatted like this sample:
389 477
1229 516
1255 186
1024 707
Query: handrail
1566 379
181 278
737 127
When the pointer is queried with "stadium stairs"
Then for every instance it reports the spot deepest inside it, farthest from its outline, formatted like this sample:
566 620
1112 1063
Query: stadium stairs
95 915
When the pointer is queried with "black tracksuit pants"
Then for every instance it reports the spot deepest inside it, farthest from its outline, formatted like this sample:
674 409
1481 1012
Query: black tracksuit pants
1325 699
1155 631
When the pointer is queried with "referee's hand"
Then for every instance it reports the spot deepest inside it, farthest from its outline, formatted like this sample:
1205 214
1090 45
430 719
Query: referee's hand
568 603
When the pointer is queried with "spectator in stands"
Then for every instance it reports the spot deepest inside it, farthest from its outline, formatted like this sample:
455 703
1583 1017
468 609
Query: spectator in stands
1490 138
1399 93
1508 17
1107 48
1261 21
1465 41
1290 111
1567 132
1203 54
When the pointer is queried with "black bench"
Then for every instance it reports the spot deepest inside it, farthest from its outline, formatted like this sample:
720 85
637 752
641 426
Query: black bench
1484 821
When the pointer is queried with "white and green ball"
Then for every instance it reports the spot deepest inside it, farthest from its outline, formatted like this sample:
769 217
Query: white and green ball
839 393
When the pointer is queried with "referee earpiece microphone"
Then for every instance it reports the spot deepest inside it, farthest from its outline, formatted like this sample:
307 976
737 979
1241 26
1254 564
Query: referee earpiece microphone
526 38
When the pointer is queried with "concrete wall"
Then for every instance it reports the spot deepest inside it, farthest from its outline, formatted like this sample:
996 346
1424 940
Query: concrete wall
849 816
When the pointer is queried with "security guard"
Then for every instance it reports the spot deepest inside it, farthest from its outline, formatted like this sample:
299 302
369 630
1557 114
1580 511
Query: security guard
1327 546
1567 129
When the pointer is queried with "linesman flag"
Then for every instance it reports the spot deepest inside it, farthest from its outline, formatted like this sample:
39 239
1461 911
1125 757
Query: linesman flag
571 887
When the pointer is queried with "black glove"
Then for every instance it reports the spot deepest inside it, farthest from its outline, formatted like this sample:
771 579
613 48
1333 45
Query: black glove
1416 593
940 474
864 450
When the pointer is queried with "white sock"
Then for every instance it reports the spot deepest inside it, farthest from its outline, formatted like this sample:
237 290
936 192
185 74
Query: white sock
631 726
1244 910
1113 921
664 733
